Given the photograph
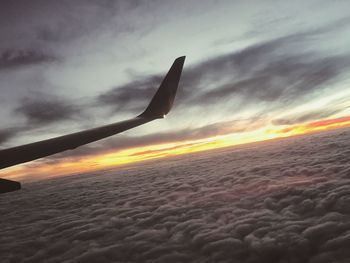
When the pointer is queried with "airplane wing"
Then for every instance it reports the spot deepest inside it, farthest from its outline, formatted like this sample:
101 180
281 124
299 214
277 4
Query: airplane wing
159 106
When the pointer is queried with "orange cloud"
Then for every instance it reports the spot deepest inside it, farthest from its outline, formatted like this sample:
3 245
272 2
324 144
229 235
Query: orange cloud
342 121
75 165
164 150
315 126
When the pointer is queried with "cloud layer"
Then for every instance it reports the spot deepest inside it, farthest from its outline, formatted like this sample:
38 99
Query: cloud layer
7 134
261 79
45 109
286 201
12 59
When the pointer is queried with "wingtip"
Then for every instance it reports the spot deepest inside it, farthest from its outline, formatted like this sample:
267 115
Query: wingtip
9 186
181 58
162 101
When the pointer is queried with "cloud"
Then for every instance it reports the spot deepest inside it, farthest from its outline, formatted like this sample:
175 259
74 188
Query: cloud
132 96
327 122
304 117
271 72
164 151
193 79
7 134
12 59
47 24
46 109
260 74
282 201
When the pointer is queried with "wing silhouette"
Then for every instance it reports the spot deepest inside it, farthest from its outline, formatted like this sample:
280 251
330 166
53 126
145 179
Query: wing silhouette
159 106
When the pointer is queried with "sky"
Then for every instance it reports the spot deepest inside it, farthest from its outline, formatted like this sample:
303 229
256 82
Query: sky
254 70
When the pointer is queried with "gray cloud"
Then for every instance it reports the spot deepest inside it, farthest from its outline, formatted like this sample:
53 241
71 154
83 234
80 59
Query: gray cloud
133 96
324 30
286 201
13 59
304 117
46 109
7 134
263 73
44 24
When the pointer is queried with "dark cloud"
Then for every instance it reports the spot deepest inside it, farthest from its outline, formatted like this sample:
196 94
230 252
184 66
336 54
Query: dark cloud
12 59
7 134
261 74
47 23
46 109
132 97
286 201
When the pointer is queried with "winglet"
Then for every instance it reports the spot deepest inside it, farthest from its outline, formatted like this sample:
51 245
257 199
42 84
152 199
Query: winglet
162 101
8 186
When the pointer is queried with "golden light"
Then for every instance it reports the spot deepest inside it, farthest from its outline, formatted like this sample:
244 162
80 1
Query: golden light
73 165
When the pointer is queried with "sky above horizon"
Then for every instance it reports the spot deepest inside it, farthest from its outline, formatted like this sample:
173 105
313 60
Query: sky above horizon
250 65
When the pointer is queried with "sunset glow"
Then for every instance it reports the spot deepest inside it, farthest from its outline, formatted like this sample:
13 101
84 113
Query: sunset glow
118 158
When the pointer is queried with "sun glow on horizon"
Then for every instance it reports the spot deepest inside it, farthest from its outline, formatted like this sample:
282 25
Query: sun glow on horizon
74 165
